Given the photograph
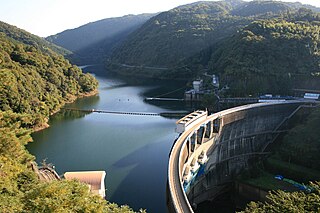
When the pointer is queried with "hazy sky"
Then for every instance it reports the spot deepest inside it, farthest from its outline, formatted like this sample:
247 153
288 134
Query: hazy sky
47 17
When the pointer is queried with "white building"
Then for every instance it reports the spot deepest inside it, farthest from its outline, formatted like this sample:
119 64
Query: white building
312 96
215 81
197 85
94 179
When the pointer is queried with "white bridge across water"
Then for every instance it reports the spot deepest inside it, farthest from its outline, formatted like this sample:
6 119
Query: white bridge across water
212 149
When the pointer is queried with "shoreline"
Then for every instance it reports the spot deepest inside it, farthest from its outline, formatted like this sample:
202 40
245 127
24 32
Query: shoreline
46 125
136 72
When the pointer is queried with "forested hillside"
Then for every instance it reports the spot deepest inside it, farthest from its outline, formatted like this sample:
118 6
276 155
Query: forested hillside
35 81
177 34
234 39
257 7
30 39
172 37
93 42
271 55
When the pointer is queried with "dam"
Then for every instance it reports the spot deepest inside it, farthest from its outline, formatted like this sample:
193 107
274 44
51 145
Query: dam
212 150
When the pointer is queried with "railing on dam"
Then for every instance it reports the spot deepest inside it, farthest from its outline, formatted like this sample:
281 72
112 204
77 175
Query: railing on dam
203 136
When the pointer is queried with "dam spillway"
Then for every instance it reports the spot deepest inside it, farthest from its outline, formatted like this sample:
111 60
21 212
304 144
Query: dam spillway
229 139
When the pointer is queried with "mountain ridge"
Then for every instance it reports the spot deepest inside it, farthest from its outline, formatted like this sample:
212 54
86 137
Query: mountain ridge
92 43
189 29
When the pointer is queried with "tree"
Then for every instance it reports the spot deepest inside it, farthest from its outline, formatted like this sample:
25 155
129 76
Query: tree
280 201
35 82
67 196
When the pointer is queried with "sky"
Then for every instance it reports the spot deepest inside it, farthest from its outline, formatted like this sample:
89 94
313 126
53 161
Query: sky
48 17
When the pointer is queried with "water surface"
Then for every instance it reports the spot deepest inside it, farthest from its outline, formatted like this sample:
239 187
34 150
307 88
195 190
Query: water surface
133 150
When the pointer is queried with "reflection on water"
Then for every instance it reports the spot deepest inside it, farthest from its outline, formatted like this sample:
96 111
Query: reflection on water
65 114
133 150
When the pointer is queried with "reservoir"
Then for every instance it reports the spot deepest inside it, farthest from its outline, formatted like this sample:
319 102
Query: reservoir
133 150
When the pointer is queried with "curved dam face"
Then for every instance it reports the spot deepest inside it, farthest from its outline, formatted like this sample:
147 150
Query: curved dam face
212 150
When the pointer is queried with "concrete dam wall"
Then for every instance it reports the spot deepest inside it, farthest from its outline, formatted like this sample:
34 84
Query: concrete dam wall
243 135
230 139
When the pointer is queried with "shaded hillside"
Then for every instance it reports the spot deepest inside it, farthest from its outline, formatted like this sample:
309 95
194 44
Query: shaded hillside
302 140
270 56
169 39
30 39
92 43
177 34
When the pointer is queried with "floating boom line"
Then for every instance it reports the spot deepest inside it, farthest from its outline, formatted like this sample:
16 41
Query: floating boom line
163 114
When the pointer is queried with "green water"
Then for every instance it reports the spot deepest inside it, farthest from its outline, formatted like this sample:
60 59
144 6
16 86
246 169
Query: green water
133 150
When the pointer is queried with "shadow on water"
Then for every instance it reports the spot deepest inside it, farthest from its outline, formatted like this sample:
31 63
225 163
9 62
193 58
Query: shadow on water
96 69
156 88
113 87
65 114
148 161
132 149
82 103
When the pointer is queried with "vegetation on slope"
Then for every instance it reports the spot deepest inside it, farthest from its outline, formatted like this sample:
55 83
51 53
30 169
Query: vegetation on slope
301 146
255 47
270 55
171 38
30 39
281 201
35 82
93 42
296 158
258 7
177 34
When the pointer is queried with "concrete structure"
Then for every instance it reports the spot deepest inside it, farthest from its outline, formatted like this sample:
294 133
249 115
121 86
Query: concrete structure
190 120
94 179
230 139
197 85
45 173
197 92
312 96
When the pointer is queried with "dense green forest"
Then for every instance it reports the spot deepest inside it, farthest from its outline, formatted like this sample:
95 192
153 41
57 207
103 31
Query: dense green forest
92 43
255 47
177 34
272 56
281 201
35 82
30 39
